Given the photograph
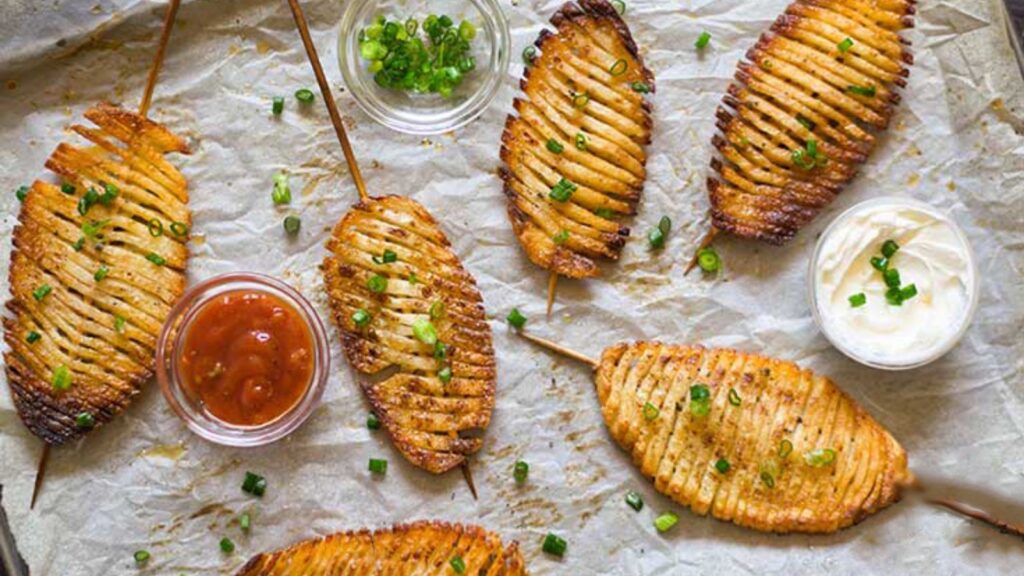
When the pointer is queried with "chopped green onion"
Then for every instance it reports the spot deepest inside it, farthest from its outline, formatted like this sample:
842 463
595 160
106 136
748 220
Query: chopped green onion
868 91
554 545
21 193
110 192
666 521
529 53
458 565
656 238
411 279
278 106
734 397
378 466
78 244
722 465
92 229
700 400
85 420
619 6
387 257
605 213
179 229
703 40
282 193
440 351
516 319
894 296
785 448
141 556
445 374
580 100
437 309
651 411
907 292
304 95
880 264
708 260
635 501
581 141
845 45
768 478
377 284
889 248
809 157
245 521
156 227
805 122
254 484
227 546
88 200
467 31
101 273
554 146
619 68
520 471
562 191
361 317
156 259
820 457
858 300
292 224
560 237
424 331
61 378
32 337
67 188
640 87
119 324
891 277
41 292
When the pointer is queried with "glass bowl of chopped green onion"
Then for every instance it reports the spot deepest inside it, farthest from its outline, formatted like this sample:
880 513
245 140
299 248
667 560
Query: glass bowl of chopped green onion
423 67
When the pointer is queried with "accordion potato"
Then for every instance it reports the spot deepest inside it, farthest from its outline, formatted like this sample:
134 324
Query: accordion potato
574 152
802 115
96 266
751 440
420 549
401 299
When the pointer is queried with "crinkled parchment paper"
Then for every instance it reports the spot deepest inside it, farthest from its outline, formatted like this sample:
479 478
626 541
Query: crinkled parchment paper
146 482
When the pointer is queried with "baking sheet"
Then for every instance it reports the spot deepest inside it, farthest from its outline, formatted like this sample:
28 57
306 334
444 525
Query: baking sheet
146 482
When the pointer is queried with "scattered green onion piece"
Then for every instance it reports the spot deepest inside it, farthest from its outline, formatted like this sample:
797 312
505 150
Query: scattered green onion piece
67 188
78 244
889 248
722 465
245 521
868 91
635 501
156 227
458 565
785 448
554 146
560 237
894 296
85 420
640 87
656 238
254 484
516 319
708 260
179 229
907 292
21 193
282 193
880 264
805 122
377 284
141 557
87 201
734 397
61 378
292 224
845 45
619 68
580 100
820 457
92 229
520 471
378 466
445 374
440 351
581 141
110 192
361 317
666 521
278 106
227 546
411 279
619 6
32 337
605 213
768 479
703 40
700 400
554 545
858 300
304 95
562 191
424 331
529 53
373 422
467 31
437 309
119 324
651 412
155 259
892 277
101 273
41 292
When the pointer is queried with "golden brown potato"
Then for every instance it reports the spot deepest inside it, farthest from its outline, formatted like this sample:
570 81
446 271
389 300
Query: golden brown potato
88 300
391 268
751 440
800 118
573 154
417 549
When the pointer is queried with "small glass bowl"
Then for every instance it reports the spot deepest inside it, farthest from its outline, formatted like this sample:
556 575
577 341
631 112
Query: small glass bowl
424 114
196 417
812 284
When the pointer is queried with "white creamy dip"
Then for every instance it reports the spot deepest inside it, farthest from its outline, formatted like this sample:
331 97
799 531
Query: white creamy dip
933 255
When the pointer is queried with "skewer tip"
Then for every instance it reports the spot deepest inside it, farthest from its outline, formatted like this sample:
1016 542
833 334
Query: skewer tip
559 349
552 287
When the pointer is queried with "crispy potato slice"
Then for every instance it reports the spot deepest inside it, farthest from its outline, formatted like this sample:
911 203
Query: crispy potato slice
579 98
99 330
764 418
430 421
793 96
418 548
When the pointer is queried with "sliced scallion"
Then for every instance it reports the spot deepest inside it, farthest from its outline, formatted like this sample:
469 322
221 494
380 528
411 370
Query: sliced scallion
520 471
635 501
304 95
554 545
651 412
424 331
703 40
516 319
378 466
666 521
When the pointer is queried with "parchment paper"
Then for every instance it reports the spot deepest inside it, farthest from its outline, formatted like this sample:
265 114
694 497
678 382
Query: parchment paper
146 482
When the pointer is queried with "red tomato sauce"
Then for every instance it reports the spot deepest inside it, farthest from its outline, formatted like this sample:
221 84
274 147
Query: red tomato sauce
247 357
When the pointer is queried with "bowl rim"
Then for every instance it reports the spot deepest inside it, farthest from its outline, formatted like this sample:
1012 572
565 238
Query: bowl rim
201 422
471 108
974 288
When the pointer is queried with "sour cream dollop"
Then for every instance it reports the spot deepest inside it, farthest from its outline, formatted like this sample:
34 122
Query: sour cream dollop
933 254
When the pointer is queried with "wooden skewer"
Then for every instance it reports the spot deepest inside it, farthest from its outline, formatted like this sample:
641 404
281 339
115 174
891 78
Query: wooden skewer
958 507
147 99
467 474
325 92
708 238
552 286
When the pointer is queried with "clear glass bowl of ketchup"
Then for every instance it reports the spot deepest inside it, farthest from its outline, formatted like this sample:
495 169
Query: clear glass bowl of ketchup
243 359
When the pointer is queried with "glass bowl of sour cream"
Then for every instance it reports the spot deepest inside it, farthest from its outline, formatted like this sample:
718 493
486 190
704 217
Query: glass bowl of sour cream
893 283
